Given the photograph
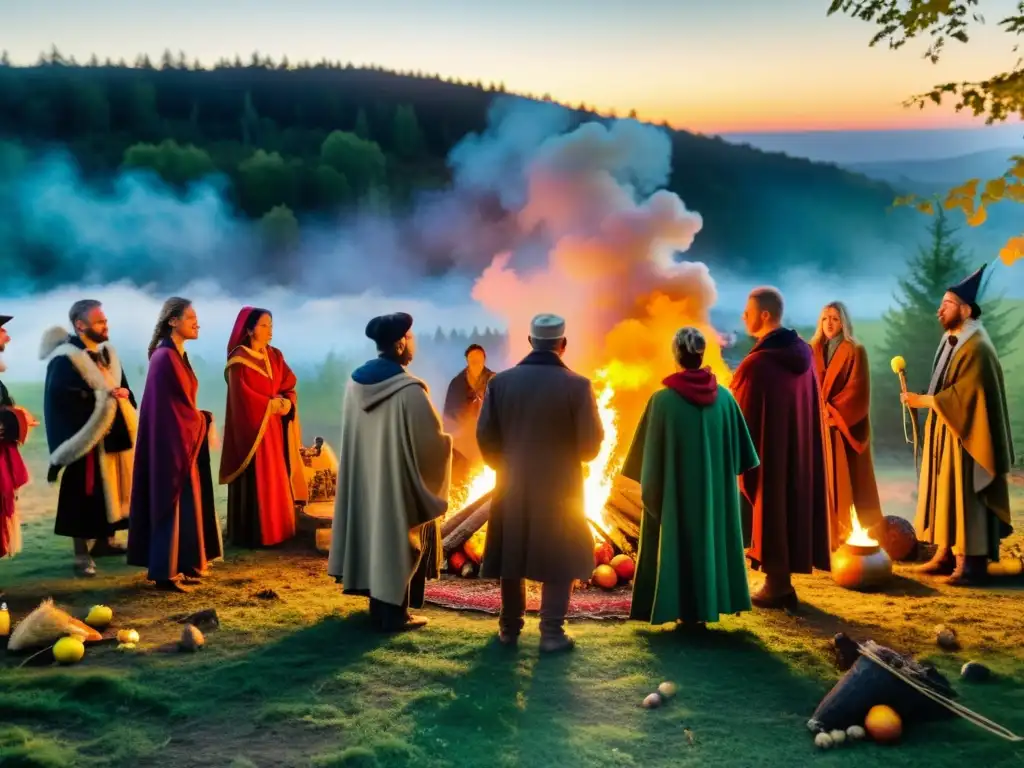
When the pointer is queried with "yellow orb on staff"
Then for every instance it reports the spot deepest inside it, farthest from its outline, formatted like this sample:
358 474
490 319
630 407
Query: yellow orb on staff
898 364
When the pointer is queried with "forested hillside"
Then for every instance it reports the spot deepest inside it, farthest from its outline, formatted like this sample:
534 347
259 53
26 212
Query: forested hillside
298 144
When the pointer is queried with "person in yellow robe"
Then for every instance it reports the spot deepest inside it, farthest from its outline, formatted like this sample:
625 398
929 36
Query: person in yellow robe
963 504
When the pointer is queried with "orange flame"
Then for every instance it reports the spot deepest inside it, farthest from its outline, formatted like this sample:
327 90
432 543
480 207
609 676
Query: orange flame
859 537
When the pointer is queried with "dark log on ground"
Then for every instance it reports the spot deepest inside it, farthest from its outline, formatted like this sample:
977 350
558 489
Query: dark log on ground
622 516
470 525
459 517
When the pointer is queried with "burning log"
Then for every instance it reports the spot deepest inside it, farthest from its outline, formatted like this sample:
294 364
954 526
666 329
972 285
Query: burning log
464 523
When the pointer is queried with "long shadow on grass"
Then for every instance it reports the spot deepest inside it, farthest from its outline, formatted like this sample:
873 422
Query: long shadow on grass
732 691
509 708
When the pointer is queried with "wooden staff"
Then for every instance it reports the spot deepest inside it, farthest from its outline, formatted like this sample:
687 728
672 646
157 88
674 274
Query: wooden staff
899 367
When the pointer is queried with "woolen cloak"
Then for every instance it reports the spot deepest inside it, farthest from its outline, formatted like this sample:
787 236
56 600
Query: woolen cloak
538 425
91 435
260 461
393 479
785 501
849 465
963 499
13 472
690 447
172 533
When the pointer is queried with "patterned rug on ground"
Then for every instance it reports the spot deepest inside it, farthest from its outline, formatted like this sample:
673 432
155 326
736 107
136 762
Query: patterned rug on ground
484 596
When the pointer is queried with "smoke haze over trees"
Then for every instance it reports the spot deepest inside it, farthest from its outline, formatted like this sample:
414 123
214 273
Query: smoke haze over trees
330 178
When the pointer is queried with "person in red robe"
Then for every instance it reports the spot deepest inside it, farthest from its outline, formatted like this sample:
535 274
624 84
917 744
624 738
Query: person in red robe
785 504
260 462
15 425
171 512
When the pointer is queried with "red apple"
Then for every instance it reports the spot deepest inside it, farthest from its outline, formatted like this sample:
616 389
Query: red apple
624 566
603 553
456 561
604 576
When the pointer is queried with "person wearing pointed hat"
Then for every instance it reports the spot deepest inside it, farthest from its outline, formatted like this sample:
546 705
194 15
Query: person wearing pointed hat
90 415
538 425
260 461
16 424
963 503
393 477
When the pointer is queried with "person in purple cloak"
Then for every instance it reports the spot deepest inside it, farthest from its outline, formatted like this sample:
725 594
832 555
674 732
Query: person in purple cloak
174 531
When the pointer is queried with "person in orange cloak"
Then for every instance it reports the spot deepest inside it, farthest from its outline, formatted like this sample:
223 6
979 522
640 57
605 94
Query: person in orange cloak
842 367
260 462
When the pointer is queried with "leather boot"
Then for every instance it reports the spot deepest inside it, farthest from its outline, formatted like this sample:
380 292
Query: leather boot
970 571
941 564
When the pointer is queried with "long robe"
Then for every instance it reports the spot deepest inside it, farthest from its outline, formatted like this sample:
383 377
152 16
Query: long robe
170 530
91 436
13 472
691 445
849 465
260 461
963 499
393 478
538 425
784 499
462 404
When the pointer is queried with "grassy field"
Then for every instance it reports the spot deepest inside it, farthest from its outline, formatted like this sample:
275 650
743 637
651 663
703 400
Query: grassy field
294 677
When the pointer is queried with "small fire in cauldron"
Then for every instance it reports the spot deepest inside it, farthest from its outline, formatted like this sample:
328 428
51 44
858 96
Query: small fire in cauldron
860 563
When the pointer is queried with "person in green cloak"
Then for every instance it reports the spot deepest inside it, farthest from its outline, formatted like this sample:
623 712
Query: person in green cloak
689 448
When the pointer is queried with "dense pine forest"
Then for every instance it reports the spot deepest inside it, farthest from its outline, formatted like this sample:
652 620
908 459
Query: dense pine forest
295 145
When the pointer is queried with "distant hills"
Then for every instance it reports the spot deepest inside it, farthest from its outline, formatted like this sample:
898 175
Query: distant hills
943 172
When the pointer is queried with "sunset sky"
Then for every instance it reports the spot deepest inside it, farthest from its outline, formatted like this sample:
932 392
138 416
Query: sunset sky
707 65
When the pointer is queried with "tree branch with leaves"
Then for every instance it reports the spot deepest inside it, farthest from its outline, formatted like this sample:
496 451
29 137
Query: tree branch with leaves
997 97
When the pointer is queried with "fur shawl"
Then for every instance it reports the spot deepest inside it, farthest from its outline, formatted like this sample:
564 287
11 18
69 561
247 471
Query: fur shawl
56 343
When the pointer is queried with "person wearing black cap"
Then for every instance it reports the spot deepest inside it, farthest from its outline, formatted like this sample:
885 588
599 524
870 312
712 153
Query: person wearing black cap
538 425
15 425
963 502
91 421
393 478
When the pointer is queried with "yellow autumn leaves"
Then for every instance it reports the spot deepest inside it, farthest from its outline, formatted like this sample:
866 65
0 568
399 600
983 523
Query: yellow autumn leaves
974 198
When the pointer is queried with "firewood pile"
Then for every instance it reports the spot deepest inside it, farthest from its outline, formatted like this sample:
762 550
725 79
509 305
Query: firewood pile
463 532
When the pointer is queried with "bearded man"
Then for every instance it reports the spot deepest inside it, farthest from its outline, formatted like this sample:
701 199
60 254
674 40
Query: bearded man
393 480
91 421
785 503
963 499
15 425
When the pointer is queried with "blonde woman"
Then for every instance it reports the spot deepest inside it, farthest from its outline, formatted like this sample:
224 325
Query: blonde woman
844 379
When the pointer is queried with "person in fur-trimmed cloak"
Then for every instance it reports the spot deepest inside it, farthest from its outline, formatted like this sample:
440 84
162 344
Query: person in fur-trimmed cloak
90 417
15 425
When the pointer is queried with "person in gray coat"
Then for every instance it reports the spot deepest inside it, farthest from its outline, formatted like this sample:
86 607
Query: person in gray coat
538 424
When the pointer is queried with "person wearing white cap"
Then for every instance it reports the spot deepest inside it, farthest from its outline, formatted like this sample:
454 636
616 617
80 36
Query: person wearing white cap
15 425
538 424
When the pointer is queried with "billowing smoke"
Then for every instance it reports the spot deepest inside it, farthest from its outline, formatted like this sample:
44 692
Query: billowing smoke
542 214
614 239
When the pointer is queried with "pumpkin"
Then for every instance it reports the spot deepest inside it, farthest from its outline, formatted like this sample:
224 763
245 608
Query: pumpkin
883 724
474 548
624 566
604 576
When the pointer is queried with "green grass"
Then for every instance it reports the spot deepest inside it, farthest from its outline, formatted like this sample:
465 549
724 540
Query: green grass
302 681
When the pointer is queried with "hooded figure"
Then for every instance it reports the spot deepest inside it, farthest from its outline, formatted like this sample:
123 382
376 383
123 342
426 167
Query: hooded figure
260 461
689 448
15 425
963 502
785 500
393 479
